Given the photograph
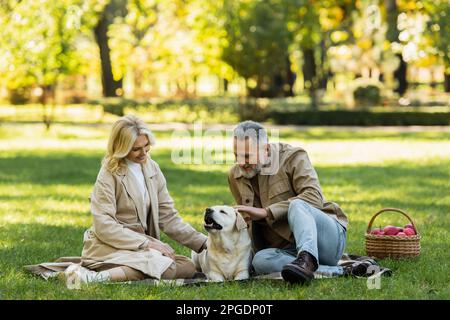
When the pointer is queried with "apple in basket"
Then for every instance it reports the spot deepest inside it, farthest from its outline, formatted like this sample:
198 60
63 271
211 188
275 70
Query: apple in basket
409 232
392 230
376 231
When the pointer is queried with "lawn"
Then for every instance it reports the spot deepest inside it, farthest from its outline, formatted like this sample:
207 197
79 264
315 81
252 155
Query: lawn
46 178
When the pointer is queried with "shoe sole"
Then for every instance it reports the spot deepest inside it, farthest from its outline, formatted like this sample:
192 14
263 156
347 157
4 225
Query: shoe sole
294 276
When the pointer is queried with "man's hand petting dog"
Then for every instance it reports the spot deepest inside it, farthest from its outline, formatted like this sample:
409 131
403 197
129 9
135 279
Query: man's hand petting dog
252 213
164 248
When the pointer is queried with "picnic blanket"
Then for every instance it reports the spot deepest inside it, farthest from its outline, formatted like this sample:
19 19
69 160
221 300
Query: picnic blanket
353 265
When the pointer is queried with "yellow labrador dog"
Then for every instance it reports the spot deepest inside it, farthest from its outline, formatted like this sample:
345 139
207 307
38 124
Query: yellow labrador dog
228 255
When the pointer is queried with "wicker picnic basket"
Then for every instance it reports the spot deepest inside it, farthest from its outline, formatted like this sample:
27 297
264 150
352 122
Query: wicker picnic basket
382 246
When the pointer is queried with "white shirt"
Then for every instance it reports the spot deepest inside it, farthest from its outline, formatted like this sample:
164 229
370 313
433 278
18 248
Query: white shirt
136 170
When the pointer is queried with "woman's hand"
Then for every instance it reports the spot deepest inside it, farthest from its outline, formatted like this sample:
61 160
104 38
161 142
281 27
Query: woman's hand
164 248
252 212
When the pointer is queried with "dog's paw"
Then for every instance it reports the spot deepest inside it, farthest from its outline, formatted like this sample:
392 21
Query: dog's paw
244 275
215 277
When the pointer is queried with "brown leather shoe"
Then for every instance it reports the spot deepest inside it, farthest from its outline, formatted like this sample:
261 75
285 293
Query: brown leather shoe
301 270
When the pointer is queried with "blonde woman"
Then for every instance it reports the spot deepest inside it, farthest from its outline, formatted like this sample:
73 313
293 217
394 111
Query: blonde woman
130 204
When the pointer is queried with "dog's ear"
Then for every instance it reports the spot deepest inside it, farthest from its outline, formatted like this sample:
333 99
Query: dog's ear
240 222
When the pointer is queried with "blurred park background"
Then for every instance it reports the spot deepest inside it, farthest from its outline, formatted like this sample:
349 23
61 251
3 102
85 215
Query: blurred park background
342 62
69 68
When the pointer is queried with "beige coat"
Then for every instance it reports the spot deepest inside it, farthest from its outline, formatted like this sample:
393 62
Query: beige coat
122 229
295 179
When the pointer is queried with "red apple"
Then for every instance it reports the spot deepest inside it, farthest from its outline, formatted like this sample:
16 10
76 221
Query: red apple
401 234
391 230
409 232
410 226
375 231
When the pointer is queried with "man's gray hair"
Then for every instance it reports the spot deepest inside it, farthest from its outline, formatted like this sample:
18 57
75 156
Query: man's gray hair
252 130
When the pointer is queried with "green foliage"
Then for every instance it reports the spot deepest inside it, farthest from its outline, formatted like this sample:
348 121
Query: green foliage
367 96
115 106
361 118
174 43
171 41
257 39
303 21
439 28
20 95
207 110
38 43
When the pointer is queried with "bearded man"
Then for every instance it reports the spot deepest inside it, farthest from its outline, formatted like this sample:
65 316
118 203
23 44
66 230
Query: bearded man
294 230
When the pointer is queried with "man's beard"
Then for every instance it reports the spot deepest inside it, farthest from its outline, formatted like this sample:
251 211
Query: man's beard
252 173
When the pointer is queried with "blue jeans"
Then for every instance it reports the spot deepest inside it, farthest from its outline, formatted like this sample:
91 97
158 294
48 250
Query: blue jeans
315 232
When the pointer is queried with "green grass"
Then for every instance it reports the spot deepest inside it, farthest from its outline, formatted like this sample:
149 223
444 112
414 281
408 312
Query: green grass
46 178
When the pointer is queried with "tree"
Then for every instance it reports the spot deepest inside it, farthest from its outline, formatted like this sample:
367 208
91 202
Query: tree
167 42
207 25
303 22
392 35
131 42
257 44
112 87
439 31
38 46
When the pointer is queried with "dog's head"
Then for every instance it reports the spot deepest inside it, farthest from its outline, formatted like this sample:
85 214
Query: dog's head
223 219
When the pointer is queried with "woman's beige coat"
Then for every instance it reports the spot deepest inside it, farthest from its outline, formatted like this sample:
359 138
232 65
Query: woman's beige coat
122 229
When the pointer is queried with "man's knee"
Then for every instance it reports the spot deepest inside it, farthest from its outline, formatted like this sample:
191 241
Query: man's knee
298 209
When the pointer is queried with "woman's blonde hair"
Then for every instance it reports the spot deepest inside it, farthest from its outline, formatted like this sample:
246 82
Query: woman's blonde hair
123 135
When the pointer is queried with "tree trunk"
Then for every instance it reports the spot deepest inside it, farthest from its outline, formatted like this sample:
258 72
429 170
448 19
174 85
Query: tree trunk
323 80
290 78
281 83
48 95
309 74
400 76
225 85
447 82
392 36
115 8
